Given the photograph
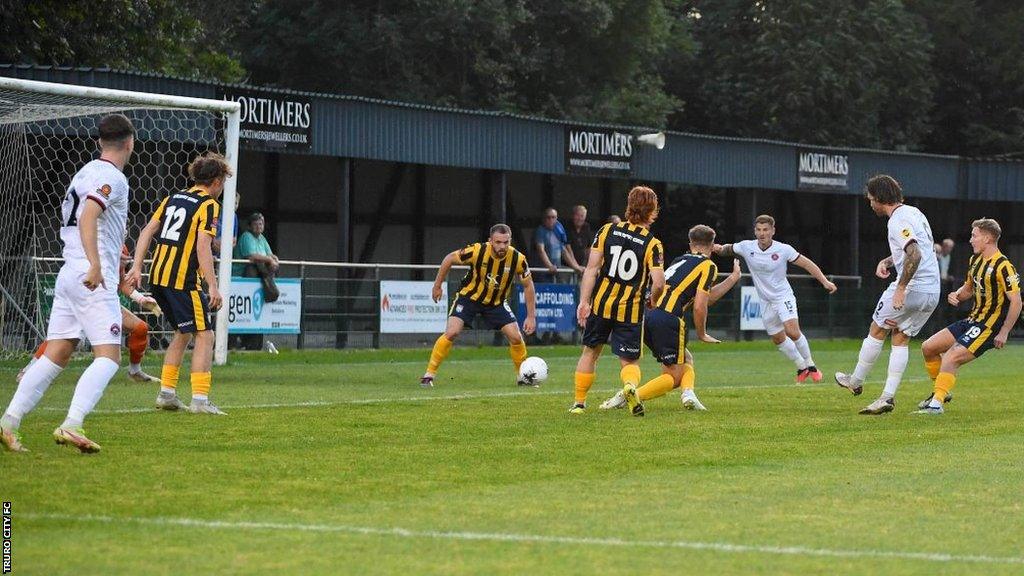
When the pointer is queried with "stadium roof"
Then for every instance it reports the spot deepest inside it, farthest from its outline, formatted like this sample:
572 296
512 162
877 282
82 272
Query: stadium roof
360 127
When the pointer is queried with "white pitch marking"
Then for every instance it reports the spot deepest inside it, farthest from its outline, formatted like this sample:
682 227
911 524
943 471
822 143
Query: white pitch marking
463 396
537 538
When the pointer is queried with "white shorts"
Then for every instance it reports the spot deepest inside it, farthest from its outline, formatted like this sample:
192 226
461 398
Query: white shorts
917 308
76 309
775 314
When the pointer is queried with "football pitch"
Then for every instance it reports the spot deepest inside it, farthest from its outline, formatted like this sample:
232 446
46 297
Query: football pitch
339 463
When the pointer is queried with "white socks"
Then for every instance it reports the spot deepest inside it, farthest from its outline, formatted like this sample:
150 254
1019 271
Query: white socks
897 364
134 368
805 349
869 351
89 390
30 390
788 349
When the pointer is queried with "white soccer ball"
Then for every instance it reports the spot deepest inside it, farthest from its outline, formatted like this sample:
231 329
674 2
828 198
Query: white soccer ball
533 371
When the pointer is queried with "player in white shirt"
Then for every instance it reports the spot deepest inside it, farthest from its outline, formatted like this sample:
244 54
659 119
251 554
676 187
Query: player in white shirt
93 219
767 260
906 305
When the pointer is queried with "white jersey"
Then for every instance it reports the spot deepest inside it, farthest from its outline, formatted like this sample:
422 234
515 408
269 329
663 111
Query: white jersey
768 268
102 182
908 224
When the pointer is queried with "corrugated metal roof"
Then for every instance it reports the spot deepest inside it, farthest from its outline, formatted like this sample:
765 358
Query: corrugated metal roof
360 127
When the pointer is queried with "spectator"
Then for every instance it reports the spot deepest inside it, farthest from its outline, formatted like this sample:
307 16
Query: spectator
263 264
614 219
945 255
580 235
551 248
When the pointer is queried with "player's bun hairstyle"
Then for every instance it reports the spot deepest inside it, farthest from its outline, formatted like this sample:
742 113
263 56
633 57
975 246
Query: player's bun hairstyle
884 189
115 129
500 229
701 235
988 225
642 206
208 167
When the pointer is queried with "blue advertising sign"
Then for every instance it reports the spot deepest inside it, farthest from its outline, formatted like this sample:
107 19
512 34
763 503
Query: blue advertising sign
556 307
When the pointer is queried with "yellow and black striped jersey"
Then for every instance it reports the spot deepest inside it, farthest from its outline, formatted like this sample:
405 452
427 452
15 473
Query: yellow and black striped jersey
683 278
489 279
630 252
183 216
992 279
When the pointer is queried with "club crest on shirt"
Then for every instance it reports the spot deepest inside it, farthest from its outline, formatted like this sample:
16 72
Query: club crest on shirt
115 329
105 190
906 232
775 256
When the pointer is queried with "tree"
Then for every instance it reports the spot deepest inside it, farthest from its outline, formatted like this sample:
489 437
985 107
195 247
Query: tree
979 62
586 59
816 71
149 35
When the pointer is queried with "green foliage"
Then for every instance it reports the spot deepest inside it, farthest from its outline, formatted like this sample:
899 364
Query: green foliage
817 71
979 62
589 60
149 35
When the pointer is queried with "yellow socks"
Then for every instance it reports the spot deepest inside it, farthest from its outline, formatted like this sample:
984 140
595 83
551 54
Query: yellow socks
168 378
516 351
689 377
943 384
441 349
201 384
583 383
630 374
932 366
658 387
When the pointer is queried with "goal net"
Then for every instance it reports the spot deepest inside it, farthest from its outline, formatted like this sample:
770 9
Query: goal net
47 133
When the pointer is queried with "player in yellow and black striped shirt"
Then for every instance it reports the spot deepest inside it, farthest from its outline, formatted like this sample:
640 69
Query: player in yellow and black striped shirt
493 265
994 284
184 226
689 285
625 261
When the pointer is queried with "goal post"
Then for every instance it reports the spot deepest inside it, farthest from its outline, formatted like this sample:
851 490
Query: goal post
47 132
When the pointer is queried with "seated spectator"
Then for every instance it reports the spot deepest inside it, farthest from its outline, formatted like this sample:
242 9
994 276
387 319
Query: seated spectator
263 264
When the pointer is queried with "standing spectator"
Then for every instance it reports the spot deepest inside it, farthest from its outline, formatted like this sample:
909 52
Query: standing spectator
580 235
614 219
551 248
945 255
252 245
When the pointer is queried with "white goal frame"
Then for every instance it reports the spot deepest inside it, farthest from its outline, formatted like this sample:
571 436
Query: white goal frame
232 112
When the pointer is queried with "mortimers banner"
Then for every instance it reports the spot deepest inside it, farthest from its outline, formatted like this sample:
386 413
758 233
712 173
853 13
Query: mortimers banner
598 151
822 171
408 308
272 120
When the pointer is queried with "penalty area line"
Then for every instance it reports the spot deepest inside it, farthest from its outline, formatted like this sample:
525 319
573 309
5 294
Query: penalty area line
723 547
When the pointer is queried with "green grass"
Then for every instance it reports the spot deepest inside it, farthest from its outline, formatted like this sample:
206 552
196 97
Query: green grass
383 477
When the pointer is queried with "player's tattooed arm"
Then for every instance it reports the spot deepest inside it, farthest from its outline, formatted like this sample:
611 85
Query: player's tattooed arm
724 250
910 264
